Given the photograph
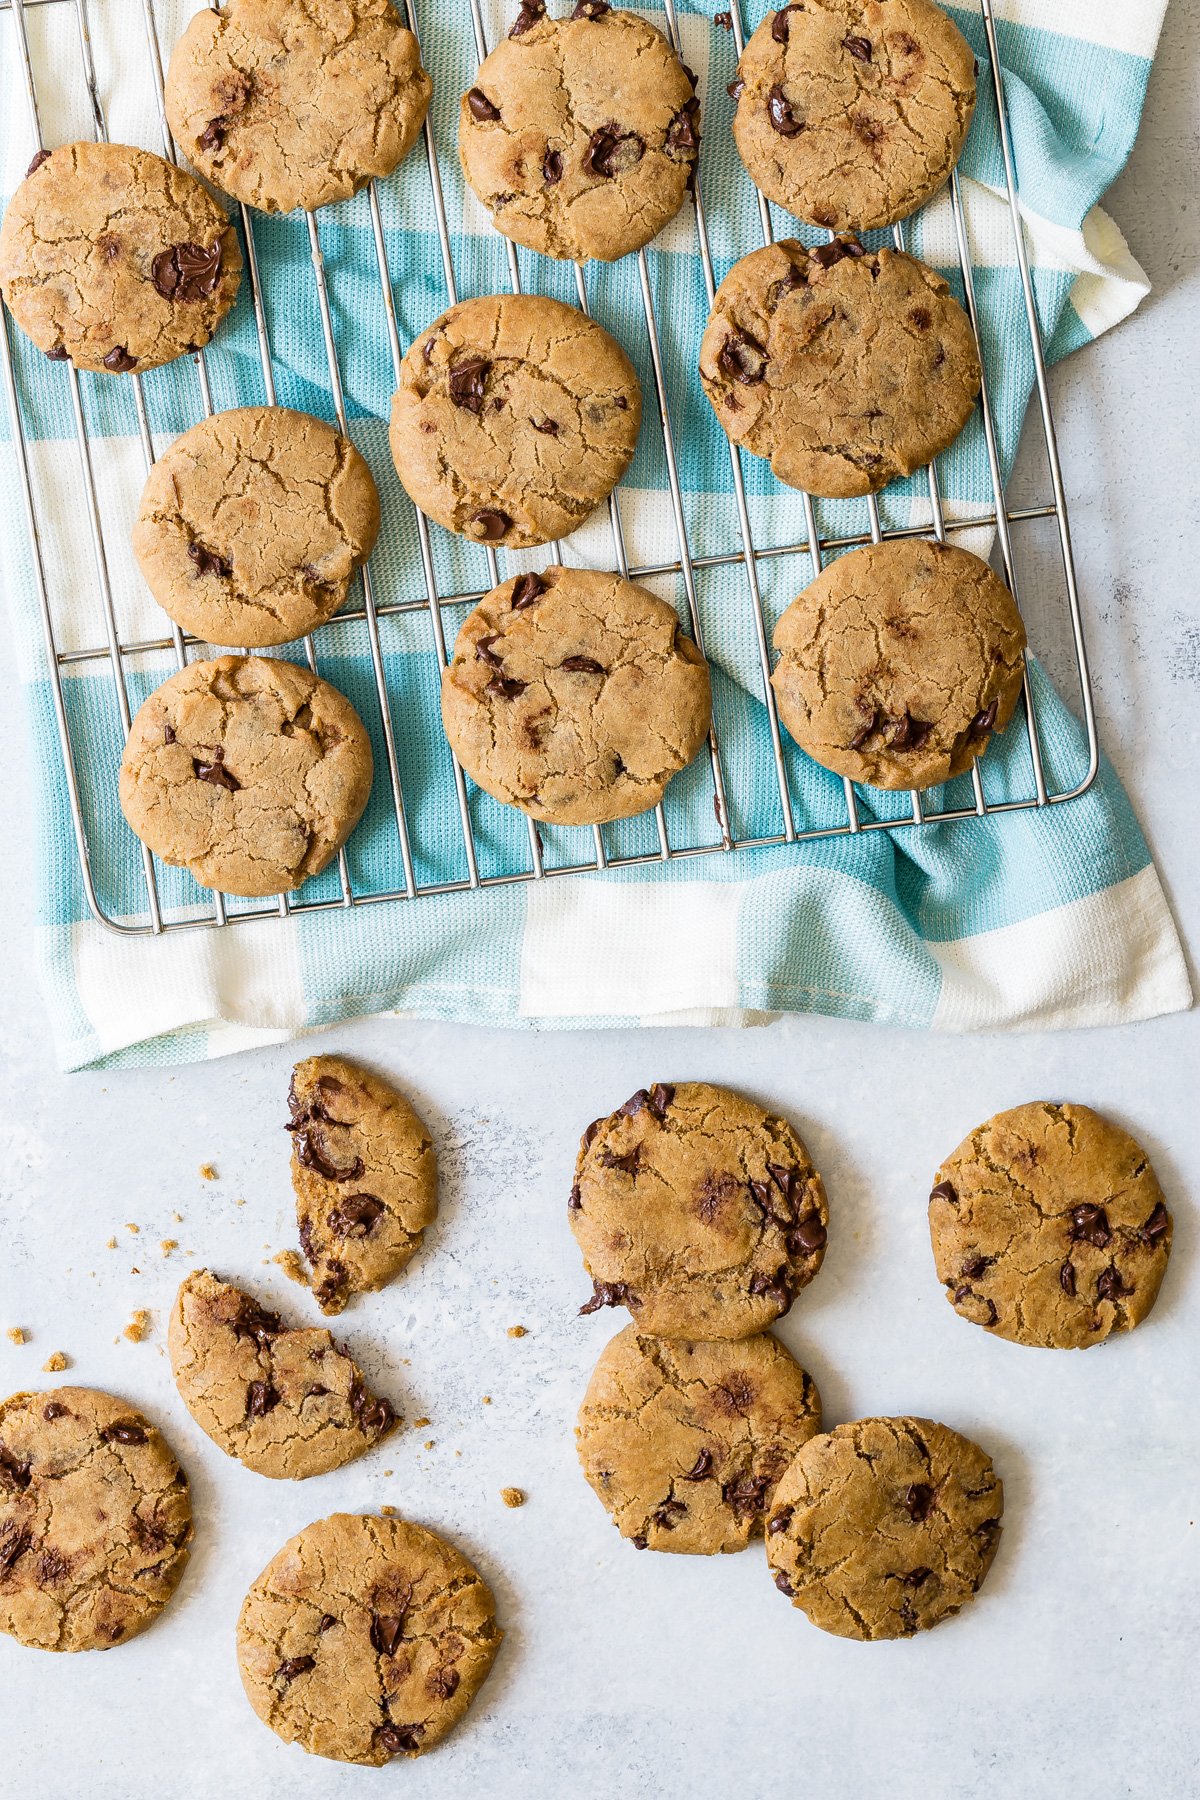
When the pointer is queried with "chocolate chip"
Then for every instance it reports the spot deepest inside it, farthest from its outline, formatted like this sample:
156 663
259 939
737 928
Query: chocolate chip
779 1521
327 1621
531 12
1066 1279
468 381
701 1467
394 1738
736 89
944 1191
261 1398
910 733
747 1496
298 1665
742 358
965 1292
781 24
779 111
58 353
356 1216
12 1550
916 1577
13 1472
526 589
444 1683
213 135
683 133
807 1239
374 1415
919 1501
552 167
608 1293
312 1153
591 9
492 524
254 1322
784 1585
611 152
481 107
1156 1225
724 20
1090 1224
1109 1285
119 360
123 1433
53 1411
208 562
582 665
41 157
975 1265
386 1631
639 1543
187 271
669 1514
662 1095
635 1103
627 1164
315 1391
983 721
826 255
575 1199
859 48
215 771
505 687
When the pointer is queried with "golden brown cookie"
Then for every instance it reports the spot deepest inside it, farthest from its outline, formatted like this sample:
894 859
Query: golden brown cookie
287 103
575 695
898 663
95 1520
250 772
698 1210
884 1527
845 368
852 113
515 417
286 1403
580 135
1049 1227
365 1176
252 524
366 1638
113 259
684 1441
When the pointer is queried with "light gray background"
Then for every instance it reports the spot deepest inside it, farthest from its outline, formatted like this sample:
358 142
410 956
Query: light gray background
654 1675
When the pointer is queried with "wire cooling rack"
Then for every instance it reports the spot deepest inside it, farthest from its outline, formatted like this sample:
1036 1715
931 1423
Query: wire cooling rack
535 853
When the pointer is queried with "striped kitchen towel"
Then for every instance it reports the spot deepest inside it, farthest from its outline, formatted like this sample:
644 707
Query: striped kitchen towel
1027 919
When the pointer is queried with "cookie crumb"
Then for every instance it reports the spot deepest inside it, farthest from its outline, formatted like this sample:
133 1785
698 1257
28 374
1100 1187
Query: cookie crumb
517 1331
15 1335
429 1443
292 1264
132 1227
111 1244
487 1400
53 1365
178 1218
389 1512
724 20
513 1496
207 1172
138 1327
417 1423
169 1244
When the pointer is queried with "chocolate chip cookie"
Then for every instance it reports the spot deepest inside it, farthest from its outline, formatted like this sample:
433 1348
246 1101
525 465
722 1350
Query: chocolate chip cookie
698 1210
365 1176
287 1403
250 772
287 103
575 696
1049 1227
95 1520
113 259
852 113
843 367
252 524
899 662
515 417
684 1441
580 135
366 1638
884 1527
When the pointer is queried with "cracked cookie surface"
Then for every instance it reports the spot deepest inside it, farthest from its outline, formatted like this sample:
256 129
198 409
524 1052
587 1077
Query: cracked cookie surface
698 1210
286 1403
852 113
1049 1227
249 771
684 1442
883 1527
114 260
252 524
575 696
844 367
287 103
365 1177
515 417
581 135
366 1638
898 663
95 1520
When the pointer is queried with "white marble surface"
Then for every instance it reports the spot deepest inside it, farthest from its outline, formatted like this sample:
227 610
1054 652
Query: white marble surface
653 1675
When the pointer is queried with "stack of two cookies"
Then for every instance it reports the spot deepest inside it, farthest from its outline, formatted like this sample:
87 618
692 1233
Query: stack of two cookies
703 1214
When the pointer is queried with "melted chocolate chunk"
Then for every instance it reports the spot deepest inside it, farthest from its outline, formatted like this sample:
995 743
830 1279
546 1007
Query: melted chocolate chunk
261 1398
591 9
374 1415
742 358
784 1585
119 360
443 1683
552 167
910 733
860 737
582 665
215 771
808 1237
781 23
1090 1225
40 157
485 653
1066 1279
669 1514
122 1433
13 1473
1156 1225
12 1550
702 1466
213 135
481 107
505 687
736 89
724 20
492 524
53 1411
468 381
575 1199
531 11
312 1153
779 1521
209 562
255 1322
296 1665
386 1632
975 1265
919 1501
611 152
395 1738
983 721
859 48
356 1216
608 1293
944 1191
527 589
58 353
683 133
746 1496
1109 1284
779 111
187 271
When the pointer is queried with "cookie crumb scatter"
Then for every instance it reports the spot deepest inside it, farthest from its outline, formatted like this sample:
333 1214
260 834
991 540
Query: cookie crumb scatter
207 1172
292 1264
513 1496
54 1365
15 1335
138 1327
517 1331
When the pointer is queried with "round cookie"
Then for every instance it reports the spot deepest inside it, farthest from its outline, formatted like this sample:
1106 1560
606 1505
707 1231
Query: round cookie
852 113
95 1520
366 1638
252 524
684 1442
698 1210
898 662
287 1404
287 103
581 135
884 1527
575 696
515 417
113 259
364 1174
250 772
1049 1227
844 367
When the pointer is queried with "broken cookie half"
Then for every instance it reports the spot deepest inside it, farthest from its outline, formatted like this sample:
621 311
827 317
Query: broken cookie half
286 1403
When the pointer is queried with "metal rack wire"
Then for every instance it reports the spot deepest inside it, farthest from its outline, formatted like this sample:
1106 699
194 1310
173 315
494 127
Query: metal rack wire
367 610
